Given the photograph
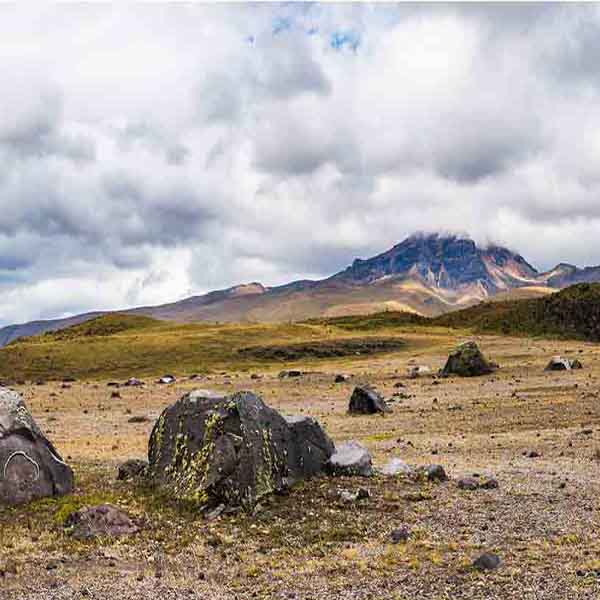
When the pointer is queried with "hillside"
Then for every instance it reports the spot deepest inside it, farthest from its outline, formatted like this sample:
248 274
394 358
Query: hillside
571 313
430 275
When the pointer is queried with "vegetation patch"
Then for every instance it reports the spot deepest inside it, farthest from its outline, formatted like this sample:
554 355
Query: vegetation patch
324 349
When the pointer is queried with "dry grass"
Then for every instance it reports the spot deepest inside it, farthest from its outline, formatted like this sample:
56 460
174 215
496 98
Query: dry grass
310 544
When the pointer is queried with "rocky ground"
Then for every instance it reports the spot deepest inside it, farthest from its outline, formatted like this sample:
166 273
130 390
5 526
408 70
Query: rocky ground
537 433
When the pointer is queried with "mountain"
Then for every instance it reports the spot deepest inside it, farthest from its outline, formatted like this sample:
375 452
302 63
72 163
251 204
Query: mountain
426 274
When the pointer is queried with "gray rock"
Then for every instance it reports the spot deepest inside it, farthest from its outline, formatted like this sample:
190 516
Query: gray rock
133 382
103 520
30 466
397 467
212 449
366 401
132 469
166 379
467 361
351 497
417 371
401 534
432 473
309 448
290 373
559 363
468 483
487 562
340 378
351 458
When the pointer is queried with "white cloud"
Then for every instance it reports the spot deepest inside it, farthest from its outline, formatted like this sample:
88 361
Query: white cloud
149 152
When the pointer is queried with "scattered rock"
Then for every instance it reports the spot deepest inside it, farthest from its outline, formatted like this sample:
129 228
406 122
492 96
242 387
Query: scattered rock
418 370
432 473
400 534
138 419
115 394
468 483
341 378
397 467
487 562
30 466
132 469
351 458
99 521
133 382
559 363
290 373
166 379
366 401
233 450
533 454
467 361
351 497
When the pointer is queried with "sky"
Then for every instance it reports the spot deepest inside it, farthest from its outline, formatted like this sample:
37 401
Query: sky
148 153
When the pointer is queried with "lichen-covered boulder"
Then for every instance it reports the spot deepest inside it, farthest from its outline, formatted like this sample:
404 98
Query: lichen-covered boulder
366 401
30 466
233 450
467 361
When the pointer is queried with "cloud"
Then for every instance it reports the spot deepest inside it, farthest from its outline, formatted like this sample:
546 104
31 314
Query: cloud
149 152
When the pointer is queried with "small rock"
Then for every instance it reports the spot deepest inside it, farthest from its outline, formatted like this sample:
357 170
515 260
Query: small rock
351 458
401 534
99 521
487 562
138 419
341 378
166 379
350 497
366 401
397 467
433 473
468 483
132 469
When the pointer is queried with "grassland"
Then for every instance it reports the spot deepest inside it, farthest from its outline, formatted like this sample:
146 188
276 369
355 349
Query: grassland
542 520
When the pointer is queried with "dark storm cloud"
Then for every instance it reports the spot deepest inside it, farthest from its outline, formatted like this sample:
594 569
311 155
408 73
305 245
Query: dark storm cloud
151 152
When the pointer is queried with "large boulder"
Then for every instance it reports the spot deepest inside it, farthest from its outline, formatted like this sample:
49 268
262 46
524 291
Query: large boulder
30 466
212 449
366 401
467 361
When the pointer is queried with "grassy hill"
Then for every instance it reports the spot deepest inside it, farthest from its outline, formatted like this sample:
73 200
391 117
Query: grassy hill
572 313
120 346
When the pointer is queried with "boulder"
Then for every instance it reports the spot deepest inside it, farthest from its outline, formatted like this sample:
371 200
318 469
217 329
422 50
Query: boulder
132 469
212 449
30 466
351 458
467 361
366 401
558 363
103 520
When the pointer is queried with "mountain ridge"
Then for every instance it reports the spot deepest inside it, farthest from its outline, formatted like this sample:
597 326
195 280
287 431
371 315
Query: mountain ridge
427 273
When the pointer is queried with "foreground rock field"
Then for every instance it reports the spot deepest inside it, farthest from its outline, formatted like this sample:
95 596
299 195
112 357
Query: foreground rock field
535 432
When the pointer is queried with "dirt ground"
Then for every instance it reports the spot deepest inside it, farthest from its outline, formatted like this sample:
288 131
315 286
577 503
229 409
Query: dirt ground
543 520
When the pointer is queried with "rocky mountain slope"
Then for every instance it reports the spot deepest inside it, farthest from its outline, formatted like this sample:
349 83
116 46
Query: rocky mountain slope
426 274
